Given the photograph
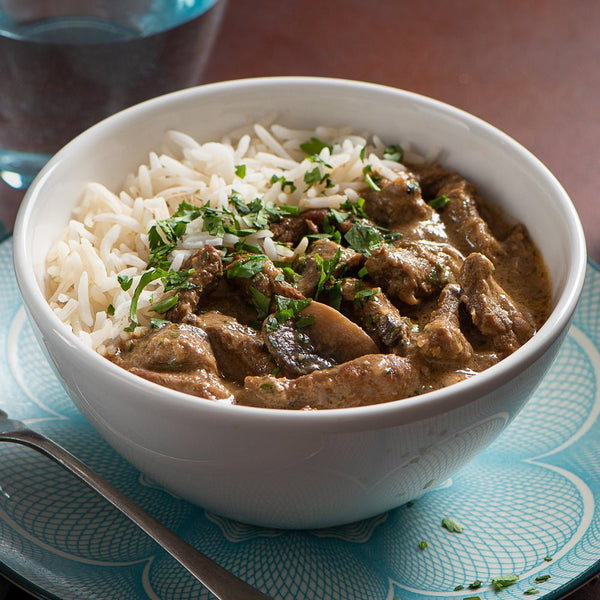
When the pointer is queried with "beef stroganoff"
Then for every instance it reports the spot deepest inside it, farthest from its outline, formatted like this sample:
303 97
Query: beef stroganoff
297 269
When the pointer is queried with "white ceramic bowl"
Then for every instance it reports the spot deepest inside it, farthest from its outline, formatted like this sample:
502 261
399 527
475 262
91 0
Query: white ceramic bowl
286 468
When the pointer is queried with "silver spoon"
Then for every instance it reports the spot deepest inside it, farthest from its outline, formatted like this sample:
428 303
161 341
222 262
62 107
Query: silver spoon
223 584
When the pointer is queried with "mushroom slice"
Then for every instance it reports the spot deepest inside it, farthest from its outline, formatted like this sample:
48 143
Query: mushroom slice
317 338
335 335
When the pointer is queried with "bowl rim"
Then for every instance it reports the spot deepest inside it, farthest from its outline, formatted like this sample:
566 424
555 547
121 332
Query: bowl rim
403 410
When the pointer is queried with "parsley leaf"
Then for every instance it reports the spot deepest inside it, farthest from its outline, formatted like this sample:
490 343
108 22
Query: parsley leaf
503 581
165 304
284 183
364 237
124 281
146 278
393 152
371 178
247 267
314 146
171 280
365 294
439 202
326 269
157 323
312 177
261 302
453 525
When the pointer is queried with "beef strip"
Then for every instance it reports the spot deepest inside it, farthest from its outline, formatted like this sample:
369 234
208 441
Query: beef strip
228 300
208 272
239 350
492 310
377 316
178 356
173 347
414 270
290 230
370 379
463 222
197 383
326 250
442 340
400 207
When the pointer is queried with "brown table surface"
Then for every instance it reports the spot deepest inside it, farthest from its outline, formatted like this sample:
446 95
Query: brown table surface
529 67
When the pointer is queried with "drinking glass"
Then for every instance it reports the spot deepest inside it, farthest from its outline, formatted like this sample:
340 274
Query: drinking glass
66 64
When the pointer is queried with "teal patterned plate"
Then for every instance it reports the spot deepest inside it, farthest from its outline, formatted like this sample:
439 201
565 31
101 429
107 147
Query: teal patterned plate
529 504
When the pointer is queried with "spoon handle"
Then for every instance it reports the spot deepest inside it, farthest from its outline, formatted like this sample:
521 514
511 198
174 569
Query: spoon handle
223 584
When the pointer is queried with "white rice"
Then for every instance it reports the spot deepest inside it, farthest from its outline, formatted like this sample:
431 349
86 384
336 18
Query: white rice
107 237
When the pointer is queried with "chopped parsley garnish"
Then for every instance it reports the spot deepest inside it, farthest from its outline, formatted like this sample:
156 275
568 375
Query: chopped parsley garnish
459 587
314 146
163 237
364 237
319 160
158 323
261 302
146 278
165 304
289 274
240 171
285 183
246 219
422 545
303 322
355 208
371 178
531 592
548 558
475 585
124 281
247 267
503 581
162 240
542 578
393 152
453 525
315 177
326 269
286 309
339 216
365 294
439 202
